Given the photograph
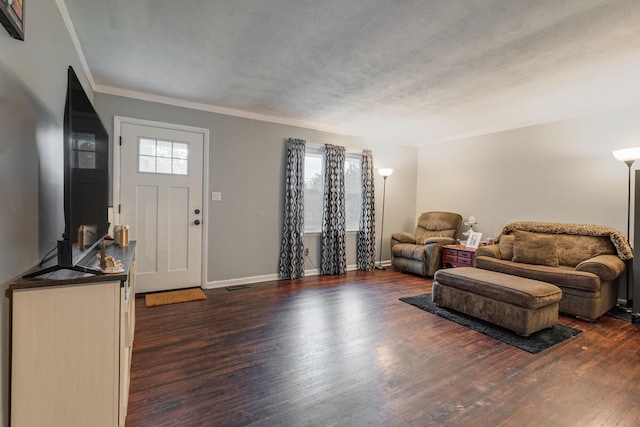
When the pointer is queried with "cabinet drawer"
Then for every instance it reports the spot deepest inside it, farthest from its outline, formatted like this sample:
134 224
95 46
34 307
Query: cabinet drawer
450 257
467 255
465 261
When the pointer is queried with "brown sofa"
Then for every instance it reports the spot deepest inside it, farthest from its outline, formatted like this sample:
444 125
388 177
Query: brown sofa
584 261
420 252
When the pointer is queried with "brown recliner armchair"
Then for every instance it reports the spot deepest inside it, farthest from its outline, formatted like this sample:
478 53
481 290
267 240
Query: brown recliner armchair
420 252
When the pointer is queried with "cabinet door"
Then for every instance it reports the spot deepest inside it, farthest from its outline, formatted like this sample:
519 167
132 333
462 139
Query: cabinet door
65 356
127 329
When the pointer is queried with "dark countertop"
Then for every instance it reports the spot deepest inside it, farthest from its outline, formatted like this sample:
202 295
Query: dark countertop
70 277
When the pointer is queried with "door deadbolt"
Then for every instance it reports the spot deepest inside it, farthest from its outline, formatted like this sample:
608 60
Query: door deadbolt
197 211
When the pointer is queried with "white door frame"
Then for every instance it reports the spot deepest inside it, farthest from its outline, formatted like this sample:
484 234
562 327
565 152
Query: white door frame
117 123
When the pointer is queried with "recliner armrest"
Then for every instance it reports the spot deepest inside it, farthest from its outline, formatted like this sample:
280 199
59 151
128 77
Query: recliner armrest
403 237
606 267
441 240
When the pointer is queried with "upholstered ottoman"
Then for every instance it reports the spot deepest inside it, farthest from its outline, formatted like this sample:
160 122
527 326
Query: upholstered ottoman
522 305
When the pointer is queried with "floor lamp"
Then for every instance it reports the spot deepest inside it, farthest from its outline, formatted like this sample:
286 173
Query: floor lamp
628 156
385 174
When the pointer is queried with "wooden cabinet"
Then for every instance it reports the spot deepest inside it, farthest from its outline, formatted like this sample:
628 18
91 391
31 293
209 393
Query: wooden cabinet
458 256
71 343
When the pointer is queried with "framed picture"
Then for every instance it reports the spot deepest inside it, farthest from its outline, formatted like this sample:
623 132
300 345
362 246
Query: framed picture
473 241
12 17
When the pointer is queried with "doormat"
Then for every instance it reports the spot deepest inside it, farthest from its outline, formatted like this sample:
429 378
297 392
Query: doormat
236 287
534 343
174 297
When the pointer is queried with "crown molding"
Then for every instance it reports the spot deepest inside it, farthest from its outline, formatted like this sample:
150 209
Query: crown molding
176 102
66 18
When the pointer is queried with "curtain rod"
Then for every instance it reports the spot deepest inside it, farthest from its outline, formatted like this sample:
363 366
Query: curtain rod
348 150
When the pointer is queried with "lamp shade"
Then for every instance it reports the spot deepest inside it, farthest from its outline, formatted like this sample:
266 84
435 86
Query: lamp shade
627 154
385 172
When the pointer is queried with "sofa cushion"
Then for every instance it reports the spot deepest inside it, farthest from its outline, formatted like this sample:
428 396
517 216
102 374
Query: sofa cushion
564 277
409 251
535 248
572 249
506 246
437 224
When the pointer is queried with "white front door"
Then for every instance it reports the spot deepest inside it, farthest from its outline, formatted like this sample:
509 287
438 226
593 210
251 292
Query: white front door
161 198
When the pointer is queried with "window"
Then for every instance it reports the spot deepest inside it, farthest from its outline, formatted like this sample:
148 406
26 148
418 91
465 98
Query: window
353 190
165 157
313 185
314 190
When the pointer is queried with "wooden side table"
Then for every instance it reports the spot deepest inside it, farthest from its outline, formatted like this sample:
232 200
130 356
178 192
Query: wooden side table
458 256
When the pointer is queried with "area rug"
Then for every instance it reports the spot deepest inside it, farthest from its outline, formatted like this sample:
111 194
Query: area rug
174 297
534 343
620 314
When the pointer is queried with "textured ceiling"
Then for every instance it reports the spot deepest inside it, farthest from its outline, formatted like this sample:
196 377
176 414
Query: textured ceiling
407 72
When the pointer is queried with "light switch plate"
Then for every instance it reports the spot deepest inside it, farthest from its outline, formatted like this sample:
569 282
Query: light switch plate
216 196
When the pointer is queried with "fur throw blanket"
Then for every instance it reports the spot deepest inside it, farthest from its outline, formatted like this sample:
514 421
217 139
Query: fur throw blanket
620 242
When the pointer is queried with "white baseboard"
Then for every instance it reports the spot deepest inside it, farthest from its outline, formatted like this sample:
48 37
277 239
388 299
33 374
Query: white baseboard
241 281
268 278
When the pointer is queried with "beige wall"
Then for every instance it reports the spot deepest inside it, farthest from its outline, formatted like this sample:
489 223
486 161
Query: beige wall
400 203
246 166
33 83
562 171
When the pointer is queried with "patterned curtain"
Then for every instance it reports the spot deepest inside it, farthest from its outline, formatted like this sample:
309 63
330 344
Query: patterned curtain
292 248
366 232
334 254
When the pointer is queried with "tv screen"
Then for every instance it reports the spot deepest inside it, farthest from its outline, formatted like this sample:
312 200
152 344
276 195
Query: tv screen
86 168
86 181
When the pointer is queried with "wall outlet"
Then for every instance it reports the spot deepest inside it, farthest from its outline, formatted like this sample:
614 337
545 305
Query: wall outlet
306 251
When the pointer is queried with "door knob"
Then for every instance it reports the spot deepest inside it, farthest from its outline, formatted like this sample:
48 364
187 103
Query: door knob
196 222
197 211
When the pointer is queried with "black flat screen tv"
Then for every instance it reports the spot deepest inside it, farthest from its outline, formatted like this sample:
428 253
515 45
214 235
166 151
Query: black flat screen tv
86 181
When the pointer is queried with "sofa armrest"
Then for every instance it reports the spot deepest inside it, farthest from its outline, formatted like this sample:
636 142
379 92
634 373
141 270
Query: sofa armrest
441 240
606 267
492 251
403 238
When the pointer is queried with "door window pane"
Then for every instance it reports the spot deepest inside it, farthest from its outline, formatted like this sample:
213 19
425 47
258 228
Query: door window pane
163 157
180 150
179 167
163 165
147 147
164 148
147 164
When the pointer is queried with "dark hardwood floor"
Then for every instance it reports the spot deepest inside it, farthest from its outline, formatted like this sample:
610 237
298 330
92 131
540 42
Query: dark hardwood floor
344 351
